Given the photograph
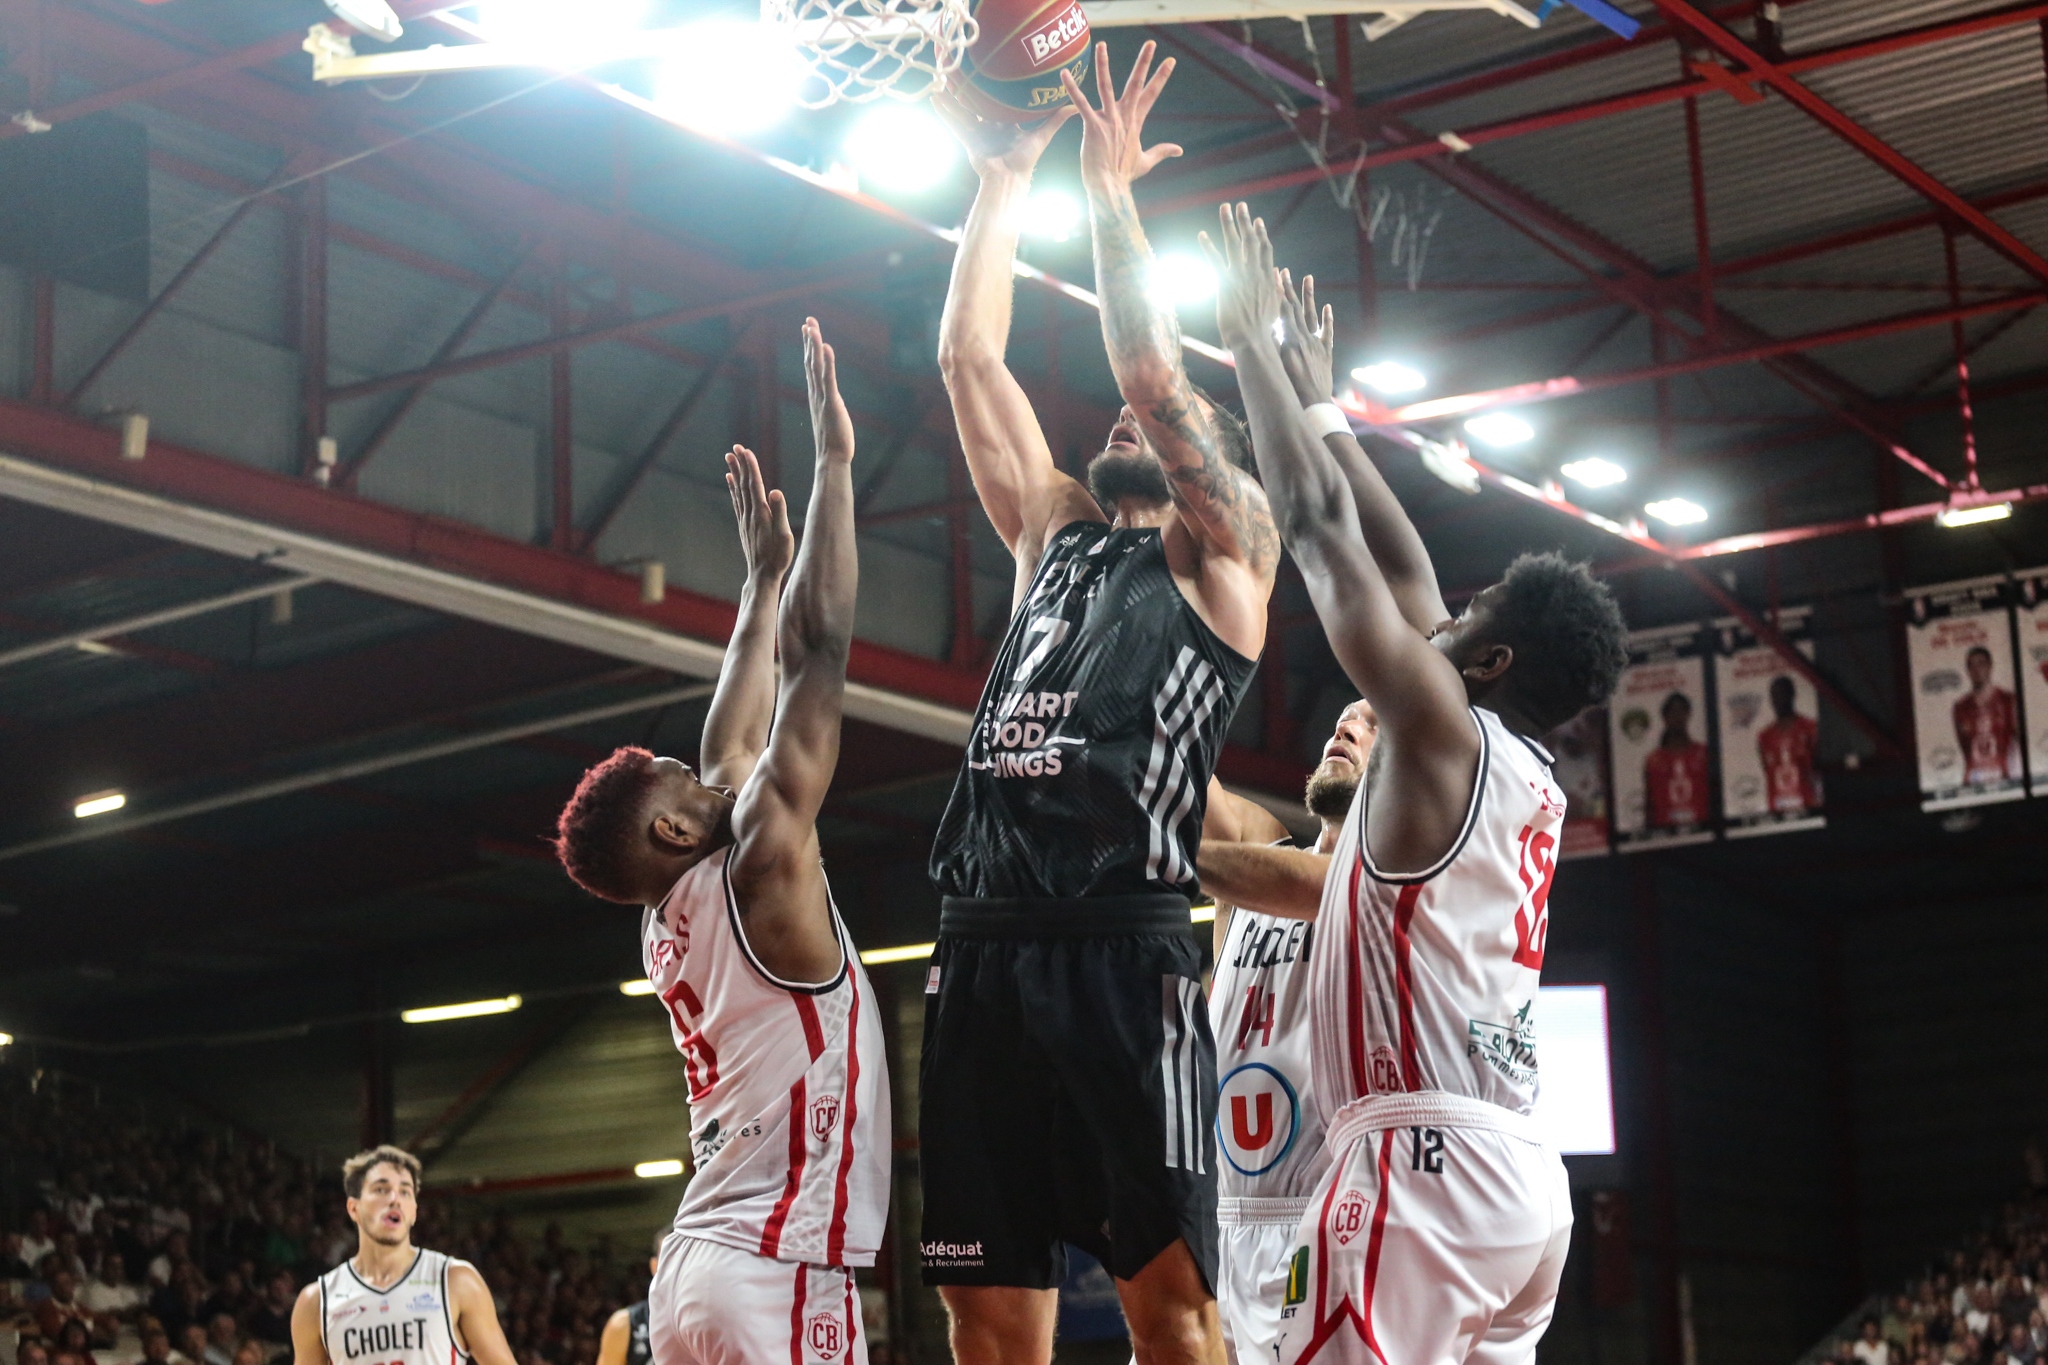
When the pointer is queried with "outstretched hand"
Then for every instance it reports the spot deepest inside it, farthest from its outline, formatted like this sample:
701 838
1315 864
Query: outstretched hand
1113 153
998 148
765 536
1248 303
831 426
1307 341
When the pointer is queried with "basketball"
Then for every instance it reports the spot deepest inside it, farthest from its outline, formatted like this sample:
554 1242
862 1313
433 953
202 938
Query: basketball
1012 72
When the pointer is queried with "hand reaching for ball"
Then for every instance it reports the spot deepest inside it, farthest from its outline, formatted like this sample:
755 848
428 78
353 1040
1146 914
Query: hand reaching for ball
998 148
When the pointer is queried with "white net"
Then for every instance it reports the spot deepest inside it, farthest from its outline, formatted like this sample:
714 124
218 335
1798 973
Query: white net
861 50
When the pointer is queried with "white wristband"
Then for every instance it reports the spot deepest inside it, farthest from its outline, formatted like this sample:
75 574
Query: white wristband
1326 419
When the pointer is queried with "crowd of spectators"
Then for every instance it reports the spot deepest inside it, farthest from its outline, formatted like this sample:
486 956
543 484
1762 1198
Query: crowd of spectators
125 1241
1987 1306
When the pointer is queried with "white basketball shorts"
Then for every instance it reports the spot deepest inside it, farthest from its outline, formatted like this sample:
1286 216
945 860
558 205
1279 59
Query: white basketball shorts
1437 1237
717 1305
1254 1249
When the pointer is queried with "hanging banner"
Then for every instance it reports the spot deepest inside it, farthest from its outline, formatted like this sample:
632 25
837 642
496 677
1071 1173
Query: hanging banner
1579 747
2032 619
1657 731
1965 710
1769 731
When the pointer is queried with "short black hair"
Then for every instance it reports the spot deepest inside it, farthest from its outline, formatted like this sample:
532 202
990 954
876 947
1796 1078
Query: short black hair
1231 430
1975 650
1566 630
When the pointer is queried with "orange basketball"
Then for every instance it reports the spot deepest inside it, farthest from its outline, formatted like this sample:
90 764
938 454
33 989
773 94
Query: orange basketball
1012 72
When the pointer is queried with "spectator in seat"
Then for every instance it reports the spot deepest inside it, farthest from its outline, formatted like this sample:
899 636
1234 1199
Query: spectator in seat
228 1299
75 1339
272 1321
2019 1346
31 1353
1977 1317
156 1349
192 1344
1871 1348
175 1251
249 1353
37 1242
181 1302
109 1293
13 1265
62 1305
222 1337
81 1205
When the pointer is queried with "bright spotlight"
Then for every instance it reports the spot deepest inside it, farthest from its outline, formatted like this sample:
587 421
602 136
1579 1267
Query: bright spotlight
1181 280
901 148
1594 472
1975 516
468 1009
655 1170
99 803
1051 215
739 77
1390 377
1677 511
6 1040
1500 429
559 25
641 987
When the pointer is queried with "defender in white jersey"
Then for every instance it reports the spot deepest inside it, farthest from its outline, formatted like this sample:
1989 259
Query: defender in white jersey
1439 1231
1269 1130
764 993
393 1303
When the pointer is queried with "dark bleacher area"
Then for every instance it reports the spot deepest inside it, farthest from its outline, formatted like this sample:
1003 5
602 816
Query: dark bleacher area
124 1239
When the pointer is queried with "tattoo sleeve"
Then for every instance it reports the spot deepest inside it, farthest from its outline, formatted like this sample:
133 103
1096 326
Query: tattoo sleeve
1143 340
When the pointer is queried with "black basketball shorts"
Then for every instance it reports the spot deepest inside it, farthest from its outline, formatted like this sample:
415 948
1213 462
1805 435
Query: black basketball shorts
1067 1091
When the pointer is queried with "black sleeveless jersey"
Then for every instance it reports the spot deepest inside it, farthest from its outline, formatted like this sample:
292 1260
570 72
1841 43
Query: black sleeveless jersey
1088 769
639 1347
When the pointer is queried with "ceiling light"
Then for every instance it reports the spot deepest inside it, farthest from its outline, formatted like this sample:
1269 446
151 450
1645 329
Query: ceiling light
471 1009
1975 516
739 77
99 803
1500 429
1051 215
901 148
1202 914
1181 280
1677 511
1390 377
641 987
655 1170
96 647
372 17
1594 472
6 1040
909 952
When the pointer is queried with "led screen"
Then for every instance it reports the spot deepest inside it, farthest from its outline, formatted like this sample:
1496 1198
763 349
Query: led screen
1575 1102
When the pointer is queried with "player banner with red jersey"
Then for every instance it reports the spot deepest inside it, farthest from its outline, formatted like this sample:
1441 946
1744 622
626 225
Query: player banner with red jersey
1579 747
1966 714
1657 726
1769 731
2031 616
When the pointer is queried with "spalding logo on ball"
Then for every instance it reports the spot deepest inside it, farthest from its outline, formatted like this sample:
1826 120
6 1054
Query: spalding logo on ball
1012 72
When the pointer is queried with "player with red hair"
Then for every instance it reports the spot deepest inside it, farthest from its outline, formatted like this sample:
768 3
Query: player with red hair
765 996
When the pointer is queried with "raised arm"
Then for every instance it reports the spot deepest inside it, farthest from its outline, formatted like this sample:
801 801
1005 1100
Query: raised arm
1425 725
1307 339
1025 494
1235 833
774 864
736 727
1221 505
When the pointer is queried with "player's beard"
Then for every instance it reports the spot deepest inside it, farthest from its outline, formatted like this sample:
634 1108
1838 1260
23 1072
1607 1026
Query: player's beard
1330 789
1118 475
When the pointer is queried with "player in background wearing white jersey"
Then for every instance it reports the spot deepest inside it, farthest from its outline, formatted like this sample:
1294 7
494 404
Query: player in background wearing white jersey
1269 1131
766 999
393 1303
1439 1232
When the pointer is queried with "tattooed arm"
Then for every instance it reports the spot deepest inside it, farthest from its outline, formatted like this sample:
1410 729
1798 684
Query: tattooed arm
1221 505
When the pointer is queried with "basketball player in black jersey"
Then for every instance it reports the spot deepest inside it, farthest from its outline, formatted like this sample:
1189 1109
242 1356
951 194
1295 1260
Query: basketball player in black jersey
1069 1084
626 1338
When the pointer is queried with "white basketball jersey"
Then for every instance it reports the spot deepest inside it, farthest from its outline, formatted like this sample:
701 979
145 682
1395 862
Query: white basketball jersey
1425 981
1270 1135
789 1088
410 1323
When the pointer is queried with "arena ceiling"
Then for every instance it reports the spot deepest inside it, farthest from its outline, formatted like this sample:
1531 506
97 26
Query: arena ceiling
530 316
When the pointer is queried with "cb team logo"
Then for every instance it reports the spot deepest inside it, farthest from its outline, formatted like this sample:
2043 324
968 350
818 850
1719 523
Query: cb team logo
826 1336
1348 1217
1258 1117
824 1114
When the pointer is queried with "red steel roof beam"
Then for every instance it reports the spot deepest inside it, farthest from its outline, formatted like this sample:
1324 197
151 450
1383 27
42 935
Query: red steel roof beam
1992 233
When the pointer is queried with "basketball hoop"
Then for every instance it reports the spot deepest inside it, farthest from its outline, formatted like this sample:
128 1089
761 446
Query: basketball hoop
861 50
